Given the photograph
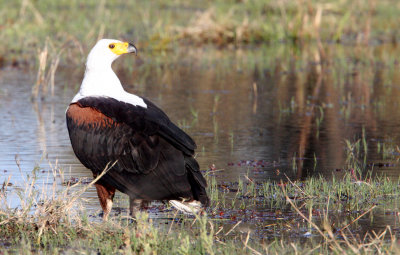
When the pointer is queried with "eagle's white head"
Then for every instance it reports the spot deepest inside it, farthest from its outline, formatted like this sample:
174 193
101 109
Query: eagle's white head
100 80
106 51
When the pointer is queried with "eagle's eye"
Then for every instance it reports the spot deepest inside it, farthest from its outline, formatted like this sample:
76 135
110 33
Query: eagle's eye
111 46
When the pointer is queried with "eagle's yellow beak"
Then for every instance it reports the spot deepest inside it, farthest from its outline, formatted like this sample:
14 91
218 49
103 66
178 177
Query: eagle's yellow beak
122 48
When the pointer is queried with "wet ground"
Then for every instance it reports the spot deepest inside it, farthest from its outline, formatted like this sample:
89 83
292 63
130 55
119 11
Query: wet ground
260 113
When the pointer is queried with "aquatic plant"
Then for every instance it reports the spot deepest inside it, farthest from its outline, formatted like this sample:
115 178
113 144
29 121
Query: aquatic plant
325 213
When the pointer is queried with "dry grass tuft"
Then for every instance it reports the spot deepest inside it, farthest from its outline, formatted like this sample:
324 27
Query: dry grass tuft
207 28
45 77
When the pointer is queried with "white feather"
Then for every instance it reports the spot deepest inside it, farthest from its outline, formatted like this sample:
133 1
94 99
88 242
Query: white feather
192 207
100 80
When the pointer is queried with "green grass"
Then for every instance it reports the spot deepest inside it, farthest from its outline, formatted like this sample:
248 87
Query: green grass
280 214
27 25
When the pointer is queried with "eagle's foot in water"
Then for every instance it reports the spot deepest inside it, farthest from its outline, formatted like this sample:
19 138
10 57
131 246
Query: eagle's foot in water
136 205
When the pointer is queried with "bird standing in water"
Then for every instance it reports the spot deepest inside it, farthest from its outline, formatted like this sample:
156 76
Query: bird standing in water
151 158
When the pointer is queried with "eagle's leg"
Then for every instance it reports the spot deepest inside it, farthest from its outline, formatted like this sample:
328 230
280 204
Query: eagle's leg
136 205
106 195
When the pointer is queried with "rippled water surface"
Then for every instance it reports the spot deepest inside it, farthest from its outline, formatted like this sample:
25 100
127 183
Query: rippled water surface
260 113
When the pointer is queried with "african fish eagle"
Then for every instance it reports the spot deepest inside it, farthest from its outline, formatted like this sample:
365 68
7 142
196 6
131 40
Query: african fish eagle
152 157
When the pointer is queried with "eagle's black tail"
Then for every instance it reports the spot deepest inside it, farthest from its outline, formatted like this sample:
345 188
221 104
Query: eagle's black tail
197 181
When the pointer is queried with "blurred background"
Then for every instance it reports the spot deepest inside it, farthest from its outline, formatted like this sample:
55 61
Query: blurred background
266 88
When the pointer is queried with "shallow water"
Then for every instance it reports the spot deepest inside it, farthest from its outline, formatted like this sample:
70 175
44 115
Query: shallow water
260 113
